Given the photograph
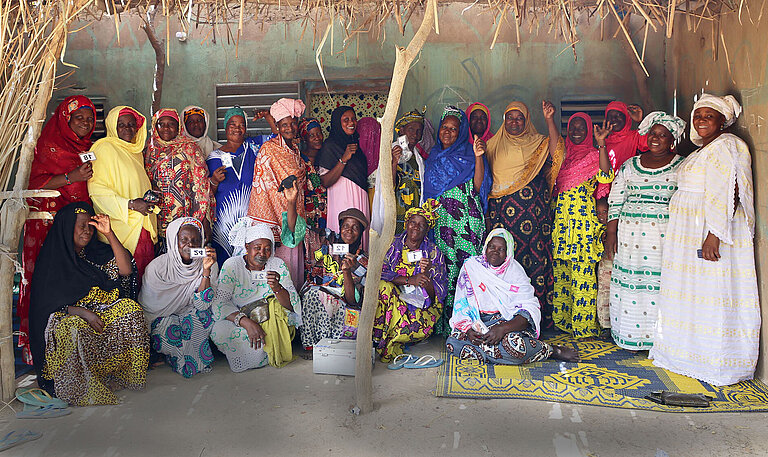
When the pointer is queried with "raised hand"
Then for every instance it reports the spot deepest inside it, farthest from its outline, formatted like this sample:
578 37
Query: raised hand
209 259
292 193
397 152
548 109
101 223
601 133
478 146
635 112
351 149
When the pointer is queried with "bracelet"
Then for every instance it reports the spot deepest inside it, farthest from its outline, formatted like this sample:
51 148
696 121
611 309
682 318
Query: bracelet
129 204
66 176
342 162
207 277
239 316
603 146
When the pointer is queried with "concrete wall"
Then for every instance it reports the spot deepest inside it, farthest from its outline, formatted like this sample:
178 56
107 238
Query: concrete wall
695 66
455 66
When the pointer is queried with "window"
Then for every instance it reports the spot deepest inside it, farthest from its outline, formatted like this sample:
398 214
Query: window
251 97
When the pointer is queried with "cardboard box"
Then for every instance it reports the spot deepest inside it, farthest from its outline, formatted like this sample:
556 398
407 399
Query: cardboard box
334 356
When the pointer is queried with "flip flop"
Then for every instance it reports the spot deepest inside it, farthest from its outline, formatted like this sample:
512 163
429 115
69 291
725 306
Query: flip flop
401 360
426 361
36 396
15 438
42 413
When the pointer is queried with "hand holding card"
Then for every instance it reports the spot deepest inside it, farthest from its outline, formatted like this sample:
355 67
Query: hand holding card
87 157
340 249
415 256
197 253
259 276
226 159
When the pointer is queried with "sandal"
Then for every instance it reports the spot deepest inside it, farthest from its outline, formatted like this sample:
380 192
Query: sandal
15 438
427 361
36 396
42 413
400 361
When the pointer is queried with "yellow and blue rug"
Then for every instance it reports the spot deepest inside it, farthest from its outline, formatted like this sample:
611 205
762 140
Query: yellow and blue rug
606 376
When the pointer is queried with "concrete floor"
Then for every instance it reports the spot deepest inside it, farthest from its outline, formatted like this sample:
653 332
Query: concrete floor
290 411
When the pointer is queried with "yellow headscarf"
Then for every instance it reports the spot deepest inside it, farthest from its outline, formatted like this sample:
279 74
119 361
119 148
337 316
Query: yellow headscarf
516 159
119 176
428 211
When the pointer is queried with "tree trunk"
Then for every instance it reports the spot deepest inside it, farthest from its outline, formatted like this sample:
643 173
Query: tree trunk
380 242
159 47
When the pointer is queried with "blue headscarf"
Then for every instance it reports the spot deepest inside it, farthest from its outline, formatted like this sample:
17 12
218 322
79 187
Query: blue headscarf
454 165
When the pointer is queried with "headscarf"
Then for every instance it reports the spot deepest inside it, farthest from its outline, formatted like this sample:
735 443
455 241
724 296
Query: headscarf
516 160
727 106
306 125
140 119
487 134
57 152
286 107
428 211
204 142
454 165
427 142
407 118
62 277
356 170
581 160
484 288
674 124
169 284
621 145
246 230
369 131
235 111
118 176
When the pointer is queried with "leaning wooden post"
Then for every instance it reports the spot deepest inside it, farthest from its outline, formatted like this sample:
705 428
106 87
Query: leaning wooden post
14 211
380 242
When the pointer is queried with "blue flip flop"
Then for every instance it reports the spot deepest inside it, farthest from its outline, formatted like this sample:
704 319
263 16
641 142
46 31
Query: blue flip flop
46 412
426 361
36 396
401 360
15 438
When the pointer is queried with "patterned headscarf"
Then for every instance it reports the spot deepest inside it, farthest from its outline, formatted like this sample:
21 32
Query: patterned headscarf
193 110
451 110
306 125
674 124
727 106
428 211
507 237
235 111
407 118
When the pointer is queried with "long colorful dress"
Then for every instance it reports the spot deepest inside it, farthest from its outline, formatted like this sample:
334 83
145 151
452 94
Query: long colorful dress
493 296
234 193
397 323
83 366
709 312
56 153
408 190
639 199
577 248
236 289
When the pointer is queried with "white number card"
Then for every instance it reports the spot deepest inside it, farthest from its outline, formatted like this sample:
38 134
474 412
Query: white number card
197 253
87 157
415 256
402 140
340 249
226 159
259 275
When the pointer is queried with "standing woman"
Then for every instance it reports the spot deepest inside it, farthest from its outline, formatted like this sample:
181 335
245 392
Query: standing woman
525 165
408 166
278 159
196 124
709 312
120 181
344 168
576 235
457 175
479 122
232 184
315 194
637 219
176 168
56 165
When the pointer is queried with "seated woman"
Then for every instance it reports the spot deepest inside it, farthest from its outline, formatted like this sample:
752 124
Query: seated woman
327 293
246 343
496 314
87 333
176 295
176 167
398 322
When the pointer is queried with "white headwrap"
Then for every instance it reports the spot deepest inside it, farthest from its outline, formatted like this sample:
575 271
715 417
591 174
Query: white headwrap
727 106
674 124
206 144
247 230
168 283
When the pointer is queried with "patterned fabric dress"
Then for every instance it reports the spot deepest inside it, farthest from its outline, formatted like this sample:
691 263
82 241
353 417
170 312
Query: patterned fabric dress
527 215
408 190
87 366
639 199
397 323
459 232
236 289
577 248
709 312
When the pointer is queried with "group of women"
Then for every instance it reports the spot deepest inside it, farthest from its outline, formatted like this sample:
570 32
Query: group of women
177 241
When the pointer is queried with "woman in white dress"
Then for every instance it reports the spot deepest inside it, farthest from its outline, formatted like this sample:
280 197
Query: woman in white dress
709 314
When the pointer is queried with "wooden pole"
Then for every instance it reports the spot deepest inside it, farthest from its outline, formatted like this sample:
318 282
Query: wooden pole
14 211
380 242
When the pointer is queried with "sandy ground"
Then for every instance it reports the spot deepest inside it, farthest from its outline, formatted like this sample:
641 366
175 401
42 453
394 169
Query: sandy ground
293 412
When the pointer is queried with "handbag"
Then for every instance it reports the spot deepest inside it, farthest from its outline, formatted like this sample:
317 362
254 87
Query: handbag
257 311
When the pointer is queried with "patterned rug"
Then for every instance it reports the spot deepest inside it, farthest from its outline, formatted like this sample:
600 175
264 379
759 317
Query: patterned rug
606 376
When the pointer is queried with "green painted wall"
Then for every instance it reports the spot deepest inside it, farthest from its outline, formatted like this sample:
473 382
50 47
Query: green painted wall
459 58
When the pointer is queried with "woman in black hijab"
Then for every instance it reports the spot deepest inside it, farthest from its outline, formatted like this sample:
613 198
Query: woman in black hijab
343 168
86 331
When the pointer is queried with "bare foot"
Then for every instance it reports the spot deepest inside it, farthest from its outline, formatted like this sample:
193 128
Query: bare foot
565 353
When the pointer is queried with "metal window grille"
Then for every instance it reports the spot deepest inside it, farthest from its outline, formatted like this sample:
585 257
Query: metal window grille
251 97
594 106
99 102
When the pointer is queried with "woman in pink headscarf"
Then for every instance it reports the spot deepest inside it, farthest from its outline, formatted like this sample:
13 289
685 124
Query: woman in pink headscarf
278 159
479 122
